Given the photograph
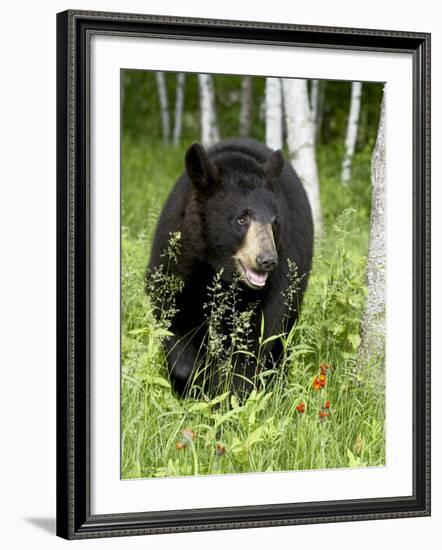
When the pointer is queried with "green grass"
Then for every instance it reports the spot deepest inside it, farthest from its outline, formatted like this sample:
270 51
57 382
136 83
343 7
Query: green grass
266 432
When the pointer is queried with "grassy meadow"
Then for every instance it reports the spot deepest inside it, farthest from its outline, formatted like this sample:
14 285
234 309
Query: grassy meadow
338 425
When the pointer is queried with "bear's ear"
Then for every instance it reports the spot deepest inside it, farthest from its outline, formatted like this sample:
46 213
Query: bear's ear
202 172
273 166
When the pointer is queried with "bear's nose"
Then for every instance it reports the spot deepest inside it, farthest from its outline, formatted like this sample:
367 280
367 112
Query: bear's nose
267 262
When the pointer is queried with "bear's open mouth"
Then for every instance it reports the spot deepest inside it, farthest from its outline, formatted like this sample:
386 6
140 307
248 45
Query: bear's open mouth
253 278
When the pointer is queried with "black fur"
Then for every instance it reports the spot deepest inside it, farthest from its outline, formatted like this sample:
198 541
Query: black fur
204 204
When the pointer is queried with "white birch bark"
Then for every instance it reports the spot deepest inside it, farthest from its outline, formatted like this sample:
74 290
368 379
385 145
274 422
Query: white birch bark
164 106
245 114
352 131
314 99
320 109
301 142
209 125
273 112
179 103
373 321
317 105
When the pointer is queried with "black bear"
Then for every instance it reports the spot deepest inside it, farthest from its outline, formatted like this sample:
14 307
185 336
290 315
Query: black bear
242 213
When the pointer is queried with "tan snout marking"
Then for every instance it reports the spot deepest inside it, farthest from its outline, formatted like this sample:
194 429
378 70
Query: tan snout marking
258 241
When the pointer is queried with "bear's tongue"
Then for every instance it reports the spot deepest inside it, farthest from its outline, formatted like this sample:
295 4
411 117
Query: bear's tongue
257 279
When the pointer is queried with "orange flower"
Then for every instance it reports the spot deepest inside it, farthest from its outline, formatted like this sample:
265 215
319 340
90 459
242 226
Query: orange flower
324 368
188 435
327 404
220 449
323 415
301 407
316 383
322 379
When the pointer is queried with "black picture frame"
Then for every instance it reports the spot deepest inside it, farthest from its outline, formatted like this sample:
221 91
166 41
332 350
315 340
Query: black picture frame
74 519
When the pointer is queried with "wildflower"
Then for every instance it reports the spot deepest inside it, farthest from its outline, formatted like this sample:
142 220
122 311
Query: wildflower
291 293
188 435
320 380
173 247
324 413
220 449
301 407
316 383
324 367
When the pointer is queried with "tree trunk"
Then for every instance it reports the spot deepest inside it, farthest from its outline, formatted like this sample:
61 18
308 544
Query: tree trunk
273 111
164 106
317 105
209 125
352 131
373 321
245 115
300 141
320 113
314 99
179 102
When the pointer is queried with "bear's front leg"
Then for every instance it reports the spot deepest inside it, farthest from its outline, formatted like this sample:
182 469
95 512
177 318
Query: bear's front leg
181 359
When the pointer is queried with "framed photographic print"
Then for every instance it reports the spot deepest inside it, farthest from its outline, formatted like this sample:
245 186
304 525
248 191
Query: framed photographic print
243 274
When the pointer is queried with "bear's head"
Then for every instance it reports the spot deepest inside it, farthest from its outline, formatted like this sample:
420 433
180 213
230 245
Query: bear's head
238 212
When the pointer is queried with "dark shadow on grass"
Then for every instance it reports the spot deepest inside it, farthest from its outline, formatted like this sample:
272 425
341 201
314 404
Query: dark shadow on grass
46 524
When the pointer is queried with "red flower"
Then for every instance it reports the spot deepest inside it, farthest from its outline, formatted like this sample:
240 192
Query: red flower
320 380
301 407
316 383
324 368
220 449
327 404
323 415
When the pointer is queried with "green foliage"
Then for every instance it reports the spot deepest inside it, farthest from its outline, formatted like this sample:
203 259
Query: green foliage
141 109
335 113
148 172
266 432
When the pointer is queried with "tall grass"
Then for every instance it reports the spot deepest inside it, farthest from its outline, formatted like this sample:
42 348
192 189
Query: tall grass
293 422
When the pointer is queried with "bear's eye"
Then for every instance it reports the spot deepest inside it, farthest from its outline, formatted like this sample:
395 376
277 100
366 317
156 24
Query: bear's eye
243 220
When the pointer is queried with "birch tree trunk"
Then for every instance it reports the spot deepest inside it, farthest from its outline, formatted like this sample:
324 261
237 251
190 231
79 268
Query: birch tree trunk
352 131
245 114
314 99
273 112
179 102
301 142
316 104
373 321
209 125
320 112
164 106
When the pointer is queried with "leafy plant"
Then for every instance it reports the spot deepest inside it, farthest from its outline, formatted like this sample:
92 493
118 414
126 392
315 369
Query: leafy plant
268 431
